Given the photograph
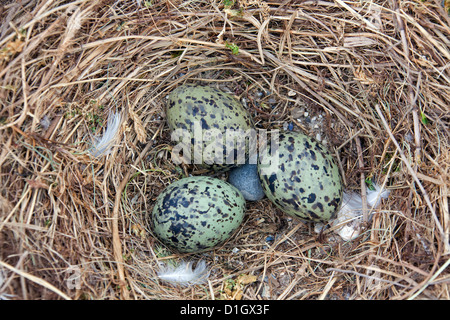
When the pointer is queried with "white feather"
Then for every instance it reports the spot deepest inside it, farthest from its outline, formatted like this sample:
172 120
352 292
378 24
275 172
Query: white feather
184 274
102 145
374 196
349 217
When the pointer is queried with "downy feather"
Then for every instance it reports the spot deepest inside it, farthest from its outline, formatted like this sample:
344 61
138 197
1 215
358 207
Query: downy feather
184 274
102 145
349 216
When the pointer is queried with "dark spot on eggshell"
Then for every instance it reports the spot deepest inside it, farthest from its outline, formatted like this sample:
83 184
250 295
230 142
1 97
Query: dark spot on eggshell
311 198
271 182
290 148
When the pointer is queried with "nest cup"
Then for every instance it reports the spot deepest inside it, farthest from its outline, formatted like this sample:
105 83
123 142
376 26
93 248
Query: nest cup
368 80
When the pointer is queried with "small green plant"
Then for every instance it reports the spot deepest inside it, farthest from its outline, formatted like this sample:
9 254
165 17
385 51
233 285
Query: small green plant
175 54
424 118
71 111
446 5
369 184
94 121
228 3
94 117
230 284
233 47
120 26
179 171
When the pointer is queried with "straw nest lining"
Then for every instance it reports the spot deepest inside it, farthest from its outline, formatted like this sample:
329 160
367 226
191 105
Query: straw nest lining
370 79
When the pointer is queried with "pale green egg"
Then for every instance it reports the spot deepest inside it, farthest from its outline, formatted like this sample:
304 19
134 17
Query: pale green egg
193 107
197 213
305 181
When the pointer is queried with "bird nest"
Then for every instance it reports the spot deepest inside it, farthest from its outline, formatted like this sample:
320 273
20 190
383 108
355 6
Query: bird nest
369 79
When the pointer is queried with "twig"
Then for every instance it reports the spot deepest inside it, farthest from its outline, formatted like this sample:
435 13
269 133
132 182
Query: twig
367 276
329 285
427 283
411 171
288 69
411 95
445 217
117 244
356 14
363 179
36 280
23 115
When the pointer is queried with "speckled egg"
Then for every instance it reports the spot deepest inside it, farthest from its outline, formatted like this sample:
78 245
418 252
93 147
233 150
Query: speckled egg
210 111
304 180
197 213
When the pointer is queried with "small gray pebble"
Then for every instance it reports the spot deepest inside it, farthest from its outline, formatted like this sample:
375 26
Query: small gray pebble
245 178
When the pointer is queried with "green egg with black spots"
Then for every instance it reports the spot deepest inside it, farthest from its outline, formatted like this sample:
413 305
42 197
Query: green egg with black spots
300 176
201 118
197 213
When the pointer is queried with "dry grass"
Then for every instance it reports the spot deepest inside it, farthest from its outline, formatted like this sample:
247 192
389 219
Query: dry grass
376 74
